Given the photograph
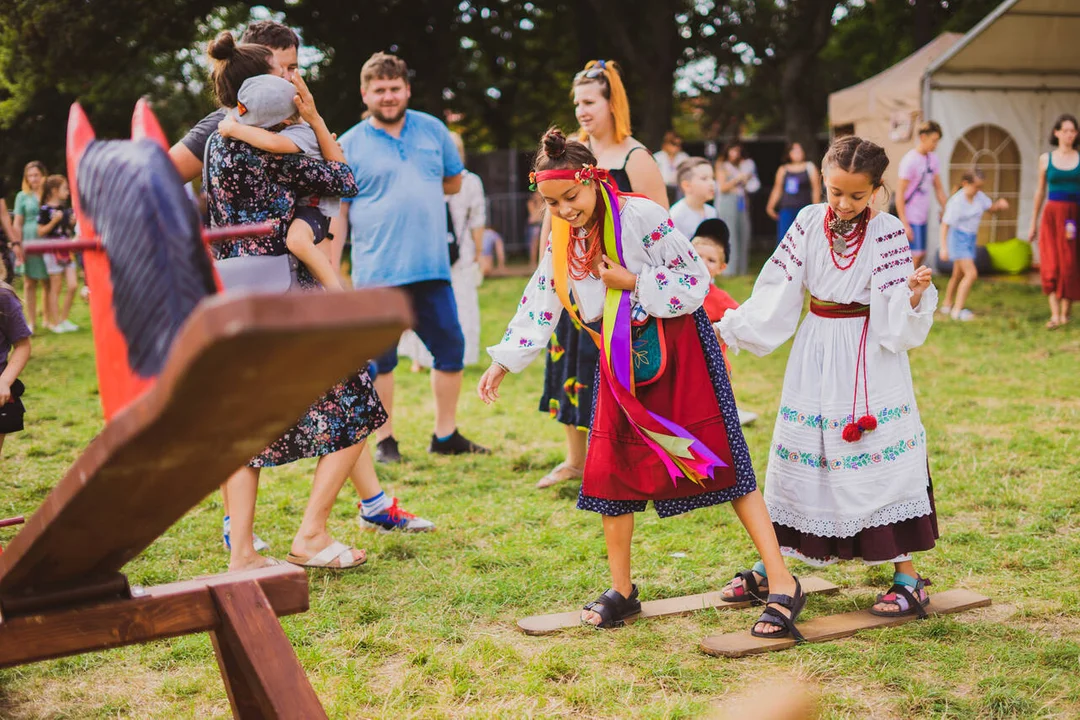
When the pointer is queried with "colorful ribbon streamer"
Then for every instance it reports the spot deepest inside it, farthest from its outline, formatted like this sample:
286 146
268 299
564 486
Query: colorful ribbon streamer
683 455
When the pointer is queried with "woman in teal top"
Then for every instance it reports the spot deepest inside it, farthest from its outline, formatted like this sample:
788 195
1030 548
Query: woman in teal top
1059 183
27 205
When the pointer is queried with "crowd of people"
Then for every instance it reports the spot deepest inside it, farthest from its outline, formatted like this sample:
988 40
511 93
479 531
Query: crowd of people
624 306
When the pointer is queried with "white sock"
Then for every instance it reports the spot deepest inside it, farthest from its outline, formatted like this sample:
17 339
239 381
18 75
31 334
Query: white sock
374 506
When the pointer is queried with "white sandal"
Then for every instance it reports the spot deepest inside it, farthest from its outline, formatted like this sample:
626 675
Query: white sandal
335 556
552 479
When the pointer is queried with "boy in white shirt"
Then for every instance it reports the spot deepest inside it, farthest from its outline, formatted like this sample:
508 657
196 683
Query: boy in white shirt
698 185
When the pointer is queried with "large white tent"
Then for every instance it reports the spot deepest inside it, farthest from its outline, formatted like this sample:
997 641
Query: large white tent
996 92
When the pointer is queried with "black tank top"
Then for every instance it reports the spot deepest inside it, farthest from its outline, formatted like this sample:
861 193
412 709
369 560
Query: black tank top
620 176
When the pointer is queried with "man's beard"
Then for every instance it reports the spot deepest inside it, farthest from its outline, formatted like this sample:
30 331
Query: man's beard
378 114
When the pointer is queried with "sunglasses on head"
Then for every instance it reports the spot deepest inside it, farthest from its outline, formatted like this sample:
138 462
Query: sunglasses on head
595 71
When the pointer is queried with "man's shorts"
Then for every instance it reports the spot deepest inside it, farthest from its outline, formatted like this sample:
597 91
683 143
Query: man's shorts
918 238
437 326
319 223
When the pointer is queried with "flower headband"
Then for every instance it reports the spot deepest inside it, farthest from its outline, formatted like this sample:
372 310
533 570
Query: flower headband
585 175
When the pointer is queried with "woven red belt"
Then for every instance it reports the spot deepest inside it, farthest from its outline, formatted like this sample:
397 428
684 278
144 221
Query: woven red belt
854 428
826 309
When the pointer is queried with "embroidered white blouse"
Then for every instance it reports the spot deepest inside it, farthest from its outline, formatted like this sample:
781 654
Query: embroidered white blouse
817 482
672 281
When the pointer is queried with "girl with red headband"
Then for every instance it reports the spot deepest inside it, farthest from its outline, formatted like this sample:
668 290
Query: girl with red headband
655 435
847 475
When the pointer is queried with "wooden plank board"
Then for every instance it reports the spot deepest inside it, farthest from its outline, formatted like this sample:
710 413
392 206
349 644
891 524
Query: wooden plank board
240 372
262 674
683 605
834 627
153 613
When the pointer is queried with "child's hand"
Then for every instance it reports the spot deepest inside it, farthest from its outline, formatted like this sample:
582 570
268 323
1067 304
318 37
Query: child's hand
304 100
227 126
5 393
918 282
488 388
615 276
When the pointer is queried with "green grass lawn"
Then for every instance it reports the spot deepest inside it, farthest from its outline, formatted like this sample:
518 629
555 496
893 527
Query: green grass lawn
426 628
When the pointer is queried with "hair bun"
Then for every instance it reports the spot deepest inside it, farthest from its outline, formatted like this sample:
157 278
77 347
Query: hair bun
554 143
223 47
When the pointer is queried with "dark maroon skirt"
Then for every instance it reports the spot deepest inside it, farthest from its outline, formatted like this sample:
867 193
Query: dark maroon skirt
876 544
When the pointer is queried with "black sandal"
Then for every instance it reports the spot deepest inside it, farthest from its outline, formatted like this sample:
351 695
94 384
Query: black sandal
772 616
911 601
613 608
750 589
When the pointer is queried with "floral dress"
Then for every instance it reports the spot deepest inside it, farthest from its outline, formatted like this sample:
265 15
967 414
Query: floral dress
247 185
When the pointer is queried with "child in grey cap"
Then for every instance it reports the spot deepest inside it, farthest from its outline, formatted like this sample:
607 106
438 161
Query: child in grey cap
266 117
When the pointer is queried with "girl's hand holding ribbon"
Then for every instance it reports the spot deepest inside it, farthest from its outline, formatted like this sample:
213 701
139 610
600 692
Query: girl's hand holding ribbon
615 276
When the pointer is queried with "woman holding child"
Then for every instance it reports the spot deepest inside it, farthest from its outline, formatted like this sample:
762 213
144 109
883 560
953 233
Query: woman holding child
248 185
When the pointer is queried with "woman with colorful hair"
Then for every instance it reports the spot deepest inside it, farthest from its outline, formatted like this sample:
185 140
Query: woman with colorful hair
603 111
665 427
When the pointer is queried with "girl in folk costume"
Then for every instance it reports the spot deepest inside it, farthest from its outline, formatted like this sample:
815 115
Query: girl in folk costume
847 475
655 435
603 110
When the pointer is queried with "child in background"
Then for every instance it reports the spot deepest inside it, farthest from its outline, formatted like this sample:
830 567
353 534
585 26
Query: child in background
959 228
14 353
266 117
712 242
493 255
56 221
698 184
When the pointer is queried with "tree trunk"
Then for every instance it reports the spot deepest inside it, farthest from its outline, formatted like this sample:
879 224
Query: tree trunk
808 28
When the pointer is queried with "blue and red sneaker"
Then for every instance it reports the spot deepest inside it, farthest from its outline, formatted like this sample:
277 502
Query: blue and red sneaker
394 518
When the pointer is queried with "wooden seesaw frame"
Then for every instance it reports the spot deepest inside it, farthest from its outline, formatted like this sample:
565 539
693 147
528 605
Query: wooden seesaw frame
239 372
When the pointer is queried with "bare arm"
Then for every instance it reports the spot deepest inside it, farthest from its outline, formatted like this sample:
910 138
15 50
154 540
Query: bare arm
44 230
452 185
1040 195
999 205
815 183
901 205
939 191
726 184
774 196
943 245
20 355
646 179
185 162
257 137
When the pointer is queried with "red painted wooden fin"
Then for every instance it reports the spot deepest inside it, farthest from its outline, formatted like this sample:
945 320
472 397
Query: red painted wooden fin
144 124
118 385
79 134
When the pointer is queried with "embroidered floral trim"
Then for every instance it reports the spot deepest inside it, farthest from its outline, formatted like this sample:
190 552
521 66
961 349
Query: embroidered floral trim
688 281
835 527
895 251
799 228
819 422
508 334
891 264
783 267
544 319
677 263
895 281
856 461
674 304
890 236
661 281
786 247
525 343
658 234
541 282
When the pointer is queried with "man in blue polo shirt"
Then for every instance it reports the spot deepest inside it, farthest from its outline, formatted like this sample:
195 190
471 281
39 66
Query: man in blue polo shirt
404 161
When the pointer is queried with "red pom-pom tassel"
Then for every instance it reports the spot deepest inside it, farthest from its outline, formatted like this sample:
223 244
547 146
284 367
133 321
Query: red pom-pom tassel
851 432
867 423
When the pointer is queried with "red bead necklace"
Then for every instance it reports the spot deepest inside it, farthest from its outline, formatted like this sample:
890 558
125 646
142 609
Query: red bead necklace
584 250
850 242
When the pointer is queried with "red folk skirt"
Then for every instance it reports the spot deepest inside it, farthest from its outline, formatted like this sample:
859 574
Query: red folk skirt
1059 264
619 465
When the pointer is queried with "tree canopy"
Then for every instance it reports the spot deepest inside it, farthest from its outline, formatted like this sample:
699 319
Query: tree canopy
499 69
